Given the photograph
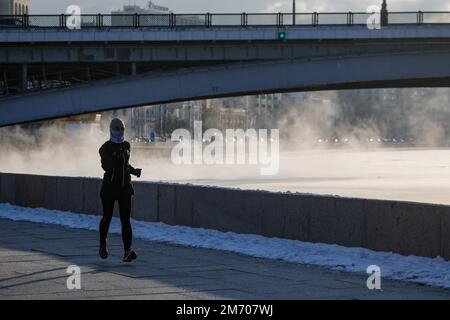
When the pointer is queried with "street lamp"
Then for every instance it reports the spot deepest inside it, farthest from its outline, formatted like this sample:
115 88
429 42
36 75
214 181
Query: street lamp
384 14
293 12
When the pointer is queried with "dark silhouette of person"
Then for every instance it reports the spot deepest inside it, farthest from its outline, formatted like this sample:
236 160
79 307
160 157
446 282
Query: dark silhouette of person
115 156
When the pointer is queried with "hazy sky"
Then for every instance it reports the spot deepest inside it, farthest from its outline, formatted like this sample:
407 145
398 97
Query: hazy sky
200 6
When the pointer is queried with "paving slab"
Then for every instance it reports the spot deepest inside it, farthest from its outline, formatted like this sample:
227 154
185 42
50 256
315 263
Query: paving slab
34 260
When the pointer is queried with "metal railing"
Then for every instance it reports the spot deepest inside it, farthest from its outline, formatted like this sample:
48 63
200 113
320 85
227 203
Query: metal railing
101 21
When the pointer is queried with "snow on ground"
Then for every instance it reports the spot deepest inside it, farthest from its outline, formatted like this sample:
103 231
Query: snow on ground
394 266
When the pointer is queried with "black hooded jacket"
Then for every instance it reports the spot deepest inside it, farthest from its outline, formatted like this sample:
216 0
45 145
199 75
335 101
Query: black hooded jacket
115 158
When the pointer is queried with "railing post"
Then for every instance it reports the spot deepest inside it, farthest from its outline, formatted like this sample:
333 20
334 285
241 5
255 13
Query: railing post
208 20
279 19
315 19
350 18
420 17
136 20
25 21
244 20
99 21
172 20
62 19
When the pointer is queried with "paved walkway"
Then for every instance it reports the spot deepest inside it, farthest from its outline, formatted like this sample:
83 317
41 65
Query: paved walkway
34 259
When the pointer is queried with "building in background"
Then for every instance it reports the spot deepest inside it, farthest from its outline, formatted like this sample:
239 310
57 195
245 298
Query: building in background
160 121
76 126
152 15
256 112
14 7
151 8
120 18
370 115
263 110
232 118
392 109
147 121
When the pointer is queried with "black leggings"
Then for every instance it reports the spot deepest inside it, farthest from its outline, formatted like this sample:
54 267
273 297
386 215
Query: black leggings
125 213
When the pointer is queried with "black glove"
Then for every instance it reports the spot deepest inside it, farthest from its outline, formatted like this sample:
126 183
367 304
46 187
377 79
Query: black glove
138 173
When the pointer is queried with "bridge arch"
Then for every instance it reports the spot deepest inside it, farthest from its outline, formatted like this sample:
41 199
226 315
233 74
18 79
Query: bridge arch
426 69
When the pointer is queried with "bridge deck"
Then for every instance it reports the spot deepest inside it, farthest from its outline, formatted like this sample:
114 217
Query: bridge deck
219 34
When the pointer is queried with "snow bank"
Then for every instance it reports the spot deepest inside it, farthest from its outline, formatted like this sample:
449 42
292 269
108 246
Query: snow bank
394 266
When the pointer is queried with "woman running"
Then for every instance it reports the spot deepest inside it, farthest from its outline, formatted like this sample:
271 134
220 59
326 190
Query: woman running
117 186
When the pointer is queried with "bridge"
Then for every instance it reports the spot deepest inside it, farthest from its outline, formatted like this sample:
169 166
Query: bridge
121 61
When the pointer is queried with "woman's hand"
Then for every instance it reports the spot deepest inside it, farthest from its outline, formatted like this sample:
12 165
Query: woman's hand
135 172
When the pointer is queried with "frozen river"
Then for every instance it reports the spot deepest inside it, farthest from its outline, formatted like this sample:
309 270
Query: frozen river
420 175
396 174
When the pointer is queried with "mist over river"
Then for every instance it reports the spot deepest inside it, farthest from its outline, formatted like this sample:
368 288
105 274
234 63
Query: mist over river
411 174
395 174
